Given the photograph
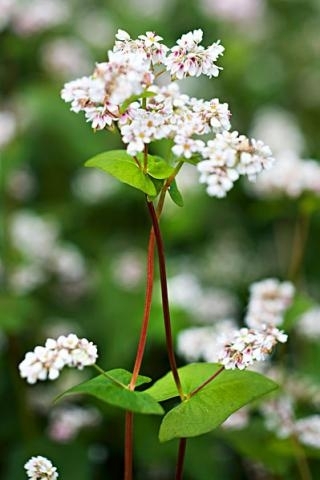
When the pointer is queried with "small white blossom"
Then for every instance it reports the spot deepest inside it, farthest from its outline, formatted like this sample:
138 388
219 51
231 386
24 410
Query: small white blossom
48 361
40 468
308 324
249 346
269 299
308 430
188 58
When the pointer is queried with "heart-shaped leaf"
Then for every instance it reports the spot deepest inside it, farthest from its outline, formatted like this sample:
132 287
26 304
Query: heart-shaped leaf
123 167
211 406
117 392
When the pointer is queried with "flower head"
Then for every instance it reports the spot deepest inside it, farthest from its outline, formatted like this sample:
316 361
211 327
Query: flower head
40 468
48 361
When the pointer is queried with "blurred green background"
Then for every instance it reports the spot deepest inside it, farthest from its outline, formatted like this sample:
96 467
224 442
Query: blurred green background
73 241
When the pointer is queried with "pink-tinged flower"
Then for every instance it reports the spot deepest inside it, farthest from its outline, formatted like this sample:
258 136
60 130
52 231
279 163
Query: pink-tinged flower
188 58
40 468
249 346
48 361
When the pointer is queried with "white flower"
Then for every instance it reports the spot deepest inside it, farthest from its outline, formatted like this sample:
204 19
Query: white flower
65 422
249 346
8 126
40 468
268 302
188 58
308 430
47 362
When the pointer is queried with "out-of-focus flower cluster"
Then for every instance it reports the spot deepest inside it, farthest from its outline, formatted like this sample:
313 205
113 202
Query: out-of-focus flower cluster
40 468
36 239
124 91
46 362
65 422
240 349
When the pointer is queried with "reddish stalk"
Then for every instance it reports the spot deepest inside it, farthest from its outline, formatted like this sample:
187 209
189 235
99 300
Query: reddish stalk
165 299
180 460
206 382
128 442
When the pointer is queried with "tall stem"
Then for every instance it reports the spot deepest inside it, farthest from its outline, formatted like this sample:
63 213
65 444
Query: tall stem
298 246
165 299
180 460
128 447
128 439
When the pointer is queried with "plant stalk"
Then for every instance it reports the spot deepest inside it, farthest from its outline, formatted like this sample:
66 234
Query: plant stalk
180 460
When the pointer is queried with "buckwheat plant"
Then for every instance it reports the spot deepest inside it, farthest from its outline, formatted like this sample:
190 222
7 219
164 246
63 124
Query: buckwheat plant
136 94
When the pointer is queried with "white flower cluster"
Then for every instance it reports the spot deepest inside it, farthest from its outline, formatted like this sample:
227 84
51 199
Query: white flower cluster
188 58
308 325
291 177
37 242
279 418
48 361
227 157
123 90
66 422
40 468
234 348
34 16
268 302
249 346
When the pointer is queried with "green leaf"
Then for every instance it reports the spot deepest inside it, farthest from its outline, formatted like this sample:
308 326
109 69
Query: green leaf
300 305
116 394
134 98
123 167
211 406
159 168
175 194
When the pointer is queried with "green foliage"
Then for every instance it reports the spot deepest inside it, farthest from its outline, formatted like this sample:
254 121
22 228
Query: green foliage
123 167
175 194
212 405
117 392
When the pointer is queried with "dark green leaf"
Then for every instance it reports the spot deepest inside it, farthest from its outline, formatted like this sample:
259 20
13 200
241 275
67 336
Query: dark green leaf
175 194
211 406
114 394
123 167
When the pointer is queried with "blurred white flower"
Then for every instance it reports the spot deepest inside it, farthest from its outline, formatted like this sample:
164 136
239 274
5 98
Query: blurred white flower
149 8
34 16
95 27
128 269
8 125
21 184
238 420
65 422
290 176
40 468
6 10
32 235
278 415
26 277
93 186
308 324
269 299
65 57
68 263
237 11
205 343
279 129
308 431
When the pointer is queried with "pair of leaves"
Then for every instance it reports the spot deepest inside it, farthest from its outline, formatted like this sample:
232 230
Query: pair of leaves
197 414
117 392
123 166
212 405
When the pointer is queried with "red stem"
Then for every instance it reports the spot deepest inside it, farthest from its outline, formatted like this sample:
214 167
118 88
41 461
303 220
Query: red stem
180 460
128 451
165 299
128 446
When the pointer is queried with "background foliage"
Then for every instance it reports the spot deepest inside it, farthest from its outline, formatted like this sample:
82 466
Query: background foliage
87 275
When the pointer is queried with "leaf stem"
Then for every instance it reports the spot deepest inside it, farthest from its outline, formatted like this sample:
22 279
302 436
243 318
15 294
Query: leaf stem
105 374
165 299
180 460
206 382
166 187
